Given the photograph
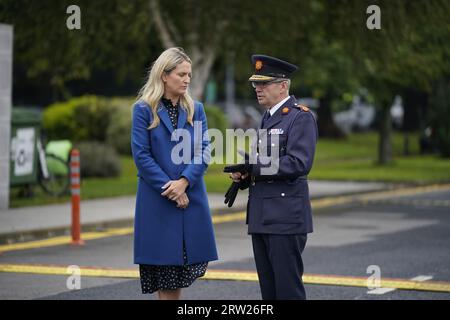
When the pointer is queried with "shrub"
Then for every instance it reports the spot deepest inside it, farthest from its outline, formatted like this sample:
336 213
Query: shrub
81 118
119 130
98 160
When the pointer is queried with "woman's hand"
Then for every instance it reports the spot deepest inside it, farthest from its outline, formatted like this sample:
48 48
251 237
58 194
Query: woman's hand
175 188
182 201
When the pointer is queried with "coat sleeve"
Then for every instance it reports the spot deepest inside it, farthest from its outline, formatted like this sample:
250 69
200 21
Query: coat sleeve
300 149
195 170
147 167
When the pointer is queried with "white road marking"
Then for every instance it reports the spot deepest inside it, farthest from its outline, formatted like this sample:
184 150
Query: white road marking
380 291
422 278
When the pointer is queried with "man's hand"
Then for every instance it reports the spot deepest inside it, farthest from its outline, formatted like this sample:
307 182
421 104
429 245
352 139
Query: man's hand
175 188
237 176
182 201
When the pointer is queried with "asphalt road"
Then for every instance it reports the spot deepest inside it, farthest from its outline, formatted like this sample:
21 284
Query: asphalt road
404 237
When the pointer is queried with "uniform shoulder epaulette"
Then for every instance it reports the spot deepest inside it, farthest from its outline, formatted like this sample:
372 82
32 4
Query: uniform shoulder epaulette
302 107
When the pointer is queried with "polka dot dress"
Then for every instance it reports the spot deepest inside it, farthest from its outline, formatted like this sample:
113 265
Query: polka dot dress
173 111
154 278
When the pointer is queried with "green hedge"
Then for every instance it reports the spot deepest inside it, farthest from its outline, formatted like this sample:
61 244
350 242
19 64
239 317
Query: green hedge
98 160
91 118
79 119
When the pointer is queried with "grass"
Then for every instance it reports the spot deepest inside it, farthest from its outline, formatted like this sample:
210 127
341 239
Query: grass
351 159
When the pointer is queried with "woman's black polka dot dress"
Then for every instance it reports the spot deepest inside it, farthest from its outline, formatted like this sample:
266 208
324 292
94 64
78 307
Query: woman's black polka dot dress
154 277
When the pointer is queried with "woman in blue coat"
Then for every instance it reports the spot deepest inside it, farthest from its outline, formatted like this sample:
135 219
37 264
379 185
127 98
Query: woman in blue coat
174 236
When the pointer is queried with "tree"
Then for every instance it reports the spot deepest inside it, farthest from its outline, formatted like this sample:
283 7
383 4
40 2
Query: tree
47 53
199 26
221 30
408 52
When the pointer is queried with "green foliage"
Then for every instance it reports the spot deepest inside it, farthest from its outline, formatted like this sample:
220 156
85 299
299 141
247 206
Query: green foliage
81 118
58 119
50 55
98 160
91 118
216 118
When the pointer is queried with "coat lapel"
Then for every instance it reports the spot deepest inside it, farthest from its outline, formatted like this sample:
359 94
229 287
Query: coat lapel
164 116
278 115
273 120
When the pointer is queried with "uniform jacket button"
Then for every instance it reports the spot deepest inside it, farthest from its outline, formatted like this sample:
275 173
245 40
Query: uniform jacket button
283 194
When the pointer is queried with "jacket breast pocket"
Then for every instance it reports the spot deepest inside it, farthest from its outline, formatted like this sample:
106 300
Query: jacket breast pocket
282 207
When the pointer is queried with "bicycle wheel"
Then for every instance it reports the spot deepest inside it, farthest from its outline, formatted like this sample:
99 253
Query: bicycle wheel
58 180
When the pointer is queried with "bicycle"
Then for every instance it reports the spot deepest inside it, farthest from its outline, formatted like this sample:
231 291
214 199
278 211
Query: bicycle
54 171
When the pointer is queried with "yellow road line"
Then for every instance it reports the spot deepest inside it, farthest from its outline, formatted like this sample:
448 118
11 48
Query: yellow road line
63 240
377 195
237 216
232 275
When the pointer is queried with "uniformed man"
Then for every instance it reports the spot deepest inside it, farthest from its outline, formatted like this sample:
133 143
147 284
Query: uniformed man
278 210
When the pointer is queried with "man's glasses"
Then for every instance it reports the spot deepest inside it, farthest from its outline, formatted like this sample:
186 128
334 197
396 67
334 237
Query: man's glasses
266 83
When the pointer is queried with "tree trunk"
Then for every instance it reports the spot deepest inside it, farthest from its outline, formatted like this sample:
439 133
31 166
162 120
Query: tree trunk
385 128
202 62
202 56
327 127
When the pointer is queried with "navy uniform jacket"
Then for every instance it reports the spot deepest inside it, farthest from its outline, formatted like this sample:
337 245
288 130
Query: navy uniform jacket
279 203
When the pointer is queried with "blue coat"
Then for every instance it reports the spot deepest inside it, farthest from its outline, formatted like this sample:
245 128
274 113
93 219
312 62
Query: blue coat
279 203
161 228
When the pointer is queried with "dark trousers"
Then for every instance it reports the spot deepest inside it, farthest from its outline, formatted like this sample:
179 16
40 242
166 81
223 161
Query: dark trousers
279 265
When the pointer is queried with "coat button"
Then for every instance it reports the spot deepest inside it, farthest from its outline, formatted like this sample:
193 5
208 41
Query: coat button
283 194
273 144
259 140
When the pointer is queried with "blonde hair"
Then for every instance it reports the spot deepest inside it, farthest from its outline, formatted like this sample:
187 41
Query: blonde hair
153 90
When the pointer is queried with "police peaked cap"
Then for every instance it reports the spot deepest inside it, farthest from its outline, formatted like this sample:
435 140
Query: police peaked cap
269 68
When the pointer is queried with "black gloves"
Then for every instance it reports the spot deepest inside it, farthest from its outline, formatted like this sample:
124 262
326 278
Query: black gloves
231 194
243 168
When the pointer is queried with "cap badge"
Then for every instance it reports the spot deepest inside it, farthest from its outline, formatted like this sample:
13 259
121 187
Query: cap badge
258 65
